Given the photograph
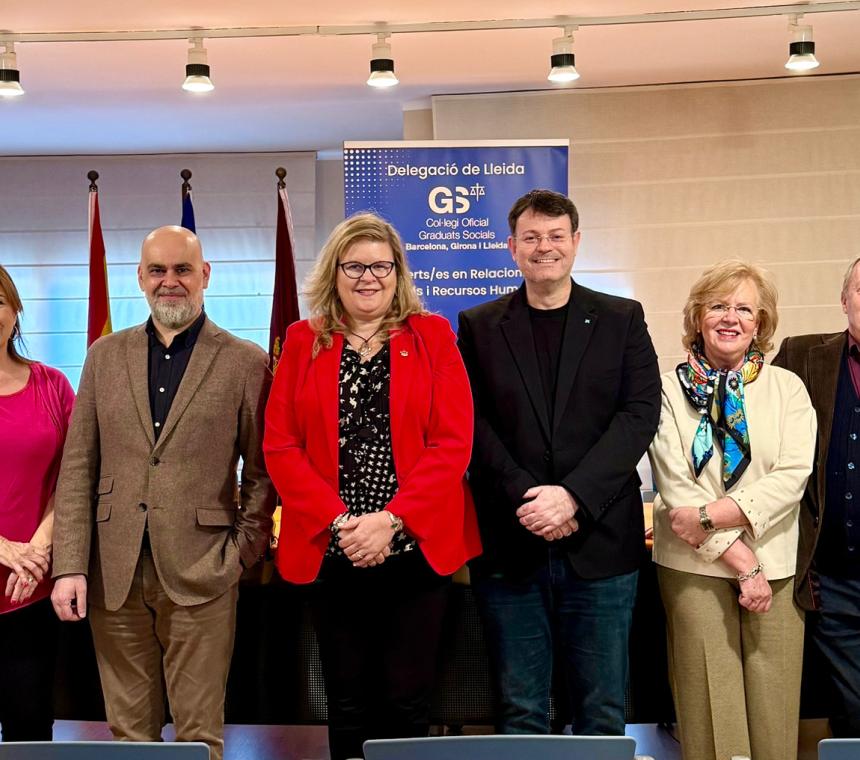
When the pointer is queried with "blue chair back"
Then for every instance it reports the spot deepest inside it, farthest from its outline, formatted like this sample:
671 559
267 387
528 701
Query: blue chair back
502 748
103 751
839 749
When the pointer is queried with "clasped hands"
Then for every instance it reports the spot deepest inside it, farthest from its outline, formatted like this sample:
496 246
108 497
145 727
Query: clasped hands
29 565
549 513
755 594
366 539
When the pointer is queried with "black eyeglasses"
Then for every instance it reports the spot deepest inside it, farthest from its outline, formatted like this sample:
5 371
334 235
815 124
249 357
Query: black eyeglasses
355 269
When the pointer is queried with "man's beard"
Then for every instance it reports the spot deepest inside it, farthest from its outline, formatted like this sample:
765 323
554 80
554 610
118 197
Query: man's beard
173 316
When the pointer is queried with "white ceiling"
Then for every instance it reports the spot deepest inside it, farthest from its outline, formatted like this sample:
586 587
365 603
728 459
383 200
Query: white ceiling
308 93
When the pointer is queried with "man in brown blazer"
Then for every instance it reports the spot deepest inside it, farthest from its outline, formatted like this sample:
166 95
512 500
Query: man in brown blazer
827 581
149 537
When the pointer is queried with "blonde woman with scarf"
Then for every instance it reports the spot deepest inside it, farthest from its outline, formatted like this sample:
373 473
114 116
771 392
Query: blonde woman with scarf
731 459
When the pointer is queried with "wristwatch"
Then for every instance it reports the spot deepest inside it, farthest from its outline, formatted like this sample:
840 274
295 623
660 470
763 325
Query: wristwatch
705 520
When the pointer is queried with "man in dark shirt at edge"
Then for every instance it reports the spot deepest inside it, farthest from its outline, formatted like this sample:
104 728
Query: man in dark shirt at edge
567 399
827 581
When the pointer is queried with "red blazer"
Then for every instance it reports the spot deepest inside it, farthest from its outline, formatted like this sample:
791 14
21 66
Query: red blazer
431 437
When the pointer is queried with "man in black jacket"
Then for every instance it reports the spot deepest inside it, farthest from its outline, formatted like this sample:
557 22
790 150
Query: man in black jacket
567 399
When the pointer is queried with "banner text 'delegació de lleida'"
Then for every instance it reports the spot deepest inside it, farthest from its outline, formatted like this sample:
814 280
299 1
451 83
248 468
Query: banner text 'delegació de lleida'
449 201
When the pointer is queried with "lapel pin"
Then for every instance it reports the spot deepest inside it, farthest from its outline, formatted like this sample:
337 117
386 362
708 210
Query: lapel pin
404 352
588 321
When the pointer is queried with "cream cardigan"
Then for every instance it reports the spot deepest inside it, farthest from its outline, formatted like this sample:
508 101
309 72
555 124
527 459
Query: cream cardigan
782 429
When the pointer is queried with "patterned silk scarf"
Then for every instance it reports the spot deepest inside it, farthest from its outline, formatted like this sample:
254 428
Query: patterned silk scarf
718 396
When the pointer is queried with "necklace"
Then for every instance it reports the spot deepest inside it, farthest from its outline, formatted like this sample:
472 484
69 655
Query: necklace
366 348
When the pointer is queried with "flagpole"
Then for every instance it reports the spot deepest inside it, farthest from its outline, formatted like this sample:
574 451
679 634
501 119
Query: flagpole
98 307
186 187
277 332
285 305
281 174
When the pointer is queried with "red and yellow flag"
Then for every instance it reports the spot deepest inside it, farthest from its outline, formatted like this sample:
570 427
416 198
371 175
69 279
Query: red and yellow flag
98 321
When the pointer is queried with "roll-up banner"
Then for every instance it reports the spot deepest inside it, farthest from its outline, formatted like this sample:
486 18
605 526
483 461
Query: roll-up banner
449 200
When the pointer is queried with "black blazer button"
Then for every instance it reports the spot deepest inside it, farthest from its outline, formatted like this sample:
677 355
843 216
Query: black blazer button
547 456
154 461
141 507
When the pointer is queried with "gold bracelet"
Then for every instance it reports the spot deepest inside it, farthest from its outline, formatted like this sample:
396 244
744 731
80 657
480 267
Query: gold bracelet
338 522
750 573
396 522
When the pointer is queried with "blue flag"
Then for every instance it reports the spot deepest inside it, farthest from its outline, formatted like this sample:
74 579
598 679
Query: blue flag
188 213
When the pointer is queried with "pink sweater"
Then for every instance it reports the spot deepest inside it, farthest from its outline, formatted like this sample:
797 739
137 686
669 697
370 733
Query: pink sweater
33 424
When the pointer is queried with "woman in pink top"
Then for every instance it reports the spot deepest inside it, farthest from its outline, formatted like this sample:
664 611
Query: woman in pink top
35 405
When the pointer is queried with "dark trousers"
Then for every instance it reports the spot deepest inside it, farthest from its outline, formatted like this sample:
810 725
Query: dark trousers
586 622
378 630
835 631
28 651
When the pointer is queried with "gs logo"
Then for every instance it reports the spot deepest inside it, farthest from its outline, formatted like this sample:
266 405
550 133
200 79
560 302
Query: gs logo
442 201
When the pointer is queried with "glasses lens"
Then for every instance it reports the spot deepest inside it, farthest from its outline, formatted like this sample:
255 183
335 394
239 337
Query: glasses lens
557 238
353 269
746 313
381 268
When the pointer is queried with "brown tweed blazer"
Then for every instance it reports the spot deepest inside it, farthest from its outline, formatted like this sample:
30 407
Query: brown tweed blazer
815 359
115 479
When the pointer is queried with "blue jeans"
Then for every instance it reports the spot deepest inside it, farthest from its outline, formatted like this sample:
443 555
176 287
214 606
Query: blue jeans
835 630
587 621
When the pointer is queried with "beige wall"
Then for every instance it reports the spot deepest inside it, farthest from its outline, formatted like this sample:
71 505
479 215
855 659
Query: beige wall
418 124
670 179
330 207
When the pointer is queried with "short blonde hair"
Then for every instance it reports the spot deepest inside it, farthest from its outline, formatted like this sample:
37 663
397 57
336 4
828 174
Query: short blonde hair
719 281
327 315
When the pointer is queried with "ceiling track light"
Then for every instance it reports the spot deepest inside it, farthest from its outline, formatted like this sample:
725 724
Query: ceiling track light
381 63
10 77
197 69
801 50
562 69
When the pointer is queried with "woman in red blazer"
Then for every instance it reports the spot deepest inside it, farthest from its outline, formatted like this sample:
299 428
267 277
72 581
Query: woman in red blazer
368 436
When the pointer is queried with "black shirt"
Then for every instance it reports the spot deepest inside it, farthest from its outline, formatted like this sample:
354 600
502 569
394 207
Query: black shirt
167 365
837 553
548 332
367 477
